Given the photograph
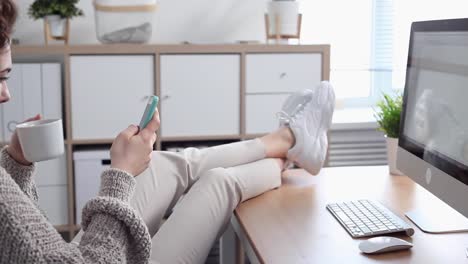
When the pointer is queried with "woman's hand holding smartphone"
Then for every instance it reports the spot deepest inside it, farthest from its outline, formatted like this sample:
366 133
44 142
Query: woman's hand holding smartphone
132 149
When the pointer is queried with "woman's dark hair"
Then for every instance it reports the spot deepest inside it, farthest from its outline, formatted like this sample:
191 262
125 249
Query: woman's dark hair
8 14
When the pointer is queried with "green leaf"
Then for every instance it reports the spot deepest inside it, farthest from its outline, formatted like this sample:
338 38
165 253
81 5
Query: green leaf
63 8
388 114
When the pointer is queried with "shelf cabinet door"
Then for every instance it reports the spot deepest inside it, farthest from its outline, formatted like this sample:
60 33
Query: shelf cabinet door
52 90
108 93
22 93
13 111
270 79
200 95
35 88
282 73
261 112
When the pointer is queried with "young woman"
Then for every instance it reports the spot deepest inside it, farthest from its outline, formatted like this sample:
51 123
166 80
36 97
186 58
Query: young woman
113 232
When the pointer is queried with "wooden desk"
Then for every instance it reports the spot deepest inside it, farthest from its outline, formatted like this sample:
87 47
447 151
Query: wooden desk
292 225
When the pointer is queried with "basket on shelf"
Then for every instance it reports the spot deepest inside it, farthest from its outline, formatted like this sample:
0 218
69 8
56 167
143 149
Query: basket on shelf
123 21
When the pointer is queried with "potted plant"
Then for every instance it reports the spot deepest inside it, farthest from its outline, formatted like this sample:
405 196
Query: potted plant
388 118
55 14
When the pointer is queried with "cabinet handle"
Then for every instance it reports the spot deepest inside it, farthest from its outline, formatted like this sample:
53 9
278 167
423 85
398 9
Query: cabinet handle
106 162
12 126
282 75
165 97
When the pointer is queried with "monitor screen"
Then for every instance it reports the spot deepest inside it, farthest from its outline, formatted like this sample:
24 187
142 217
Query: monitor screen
435 107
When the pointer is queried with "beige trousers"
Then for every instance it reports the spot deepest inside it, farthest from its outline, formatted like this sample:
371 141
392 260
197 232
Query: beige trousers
211 182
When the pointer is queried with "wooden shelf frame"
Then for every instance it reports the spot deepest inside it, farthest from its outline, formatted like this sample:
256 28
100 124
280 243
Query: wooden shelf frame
167 49
62 53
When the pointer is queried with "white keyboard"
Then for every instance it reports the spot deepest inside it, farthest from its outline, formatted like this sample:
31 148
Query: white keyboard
362 218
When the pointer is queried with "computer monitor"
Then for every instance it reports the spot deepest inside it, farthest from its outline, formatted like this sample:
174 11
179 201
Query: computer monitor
433 144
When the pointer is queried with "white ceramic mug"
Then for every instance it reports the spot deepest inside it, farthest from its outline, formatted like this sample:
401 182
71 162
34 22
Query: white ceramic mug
41 140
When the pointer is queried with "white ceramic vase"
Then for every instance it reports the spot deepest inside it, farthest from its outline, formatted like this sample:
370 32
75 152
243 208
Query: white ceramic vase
392 146
56 25
288 12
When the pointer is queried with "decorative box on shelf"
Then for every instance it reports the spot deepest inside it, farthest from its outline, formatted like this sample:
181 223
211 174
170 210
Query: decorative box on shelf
123 21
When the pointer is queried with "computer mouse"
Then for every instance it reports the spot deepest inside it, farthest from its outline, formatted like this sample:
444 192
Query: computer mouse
383 244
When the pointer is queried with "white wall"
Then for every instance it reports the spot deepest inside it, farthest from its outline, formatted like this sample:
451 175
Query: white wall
176 21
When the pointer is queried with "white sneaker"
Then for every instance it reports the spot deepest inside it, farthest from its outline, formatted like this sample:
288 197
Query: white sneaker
309 115
294 105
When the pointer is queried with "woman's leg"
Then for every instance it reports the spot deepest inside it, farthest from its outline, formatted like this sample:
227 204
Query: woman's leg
202 215
274 145
171 174
301 138
158 188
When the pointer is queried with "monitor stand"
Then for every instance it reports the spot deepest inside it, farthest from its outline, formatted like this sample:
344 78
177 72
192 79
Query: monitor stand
438 218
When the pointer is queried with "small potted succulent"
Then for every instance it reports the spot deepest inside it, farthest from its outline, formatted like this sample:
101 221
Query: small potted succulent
56 14
388 118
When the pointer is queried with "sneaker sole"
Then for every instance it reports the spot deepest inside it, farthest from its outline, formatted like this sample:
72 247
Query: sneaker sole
326 104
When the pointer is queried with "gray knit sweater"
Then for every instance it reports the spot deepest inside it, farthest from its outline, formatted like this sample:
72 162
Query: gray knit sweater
114 233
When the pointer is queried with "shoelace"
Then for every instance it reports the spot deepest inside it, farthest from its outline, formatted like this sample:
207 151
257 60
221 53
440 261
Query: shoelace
285 118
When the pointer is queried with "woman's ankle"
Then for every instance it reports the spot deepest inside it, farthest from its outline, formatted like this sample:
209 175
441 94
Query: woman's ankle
278 143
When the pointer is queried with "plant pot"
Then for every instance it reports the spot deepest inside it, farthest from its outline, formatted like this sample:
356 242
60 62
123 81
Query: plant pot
57 25
287 13
392 146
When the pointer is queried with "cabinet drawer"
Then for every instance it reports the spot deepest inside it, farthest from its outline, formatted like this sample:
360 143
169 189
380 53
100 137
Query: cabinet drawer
282 73
200 95
54 201
108 93
261 112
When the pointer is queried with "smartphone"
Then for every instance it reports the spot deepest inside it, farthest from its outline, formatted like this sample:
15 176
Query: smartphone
149 111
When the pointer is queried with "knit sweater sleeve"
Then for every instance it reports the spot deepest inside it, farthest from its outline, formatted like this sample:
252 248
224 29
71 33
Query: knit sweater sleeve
21 174
114 233
111 225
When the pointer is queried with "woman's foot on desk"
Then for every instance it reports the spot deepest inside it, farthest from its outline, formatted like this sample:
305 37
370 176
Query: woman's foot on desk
304 121
308 114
